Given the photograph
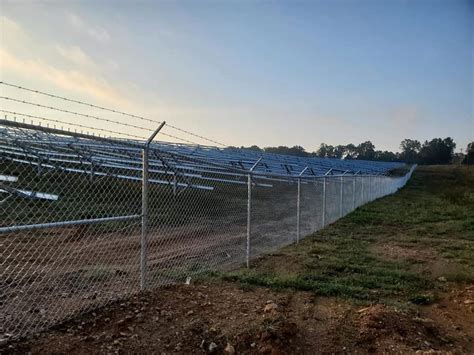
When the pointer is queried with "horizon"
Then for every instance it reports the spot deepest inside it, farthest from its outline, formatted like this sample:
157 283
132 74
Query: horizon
263 73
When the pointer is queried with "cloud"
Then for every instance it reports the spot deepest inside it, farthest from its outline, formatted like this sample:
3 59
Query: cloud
21 55
75 55
67 79
96 32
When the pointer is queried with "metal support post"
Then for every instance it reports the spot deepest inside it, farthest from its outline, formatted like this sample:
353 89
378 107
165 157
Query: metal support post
324 201
342 197
249 210
144 234
354 193
298 205
298 202
175 184
370 189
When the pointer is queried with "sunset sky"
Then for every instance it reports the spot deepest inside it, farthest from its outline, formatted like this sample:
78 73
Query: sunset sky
251 72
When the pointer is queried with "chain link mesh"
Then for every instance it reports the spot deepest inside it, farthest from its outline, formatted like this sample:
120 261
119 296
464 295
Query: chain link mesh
73 236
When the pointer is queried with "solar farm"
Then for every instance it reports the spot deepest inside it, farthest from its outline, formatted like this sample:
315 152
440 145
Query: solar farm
88 219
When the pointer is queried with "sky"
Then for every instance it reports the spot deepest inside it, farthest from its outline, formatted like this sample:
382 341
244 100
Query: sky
249 72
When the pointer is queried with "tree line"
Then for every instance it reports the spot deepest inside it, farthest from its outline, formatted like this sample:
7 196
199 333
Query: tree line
435 151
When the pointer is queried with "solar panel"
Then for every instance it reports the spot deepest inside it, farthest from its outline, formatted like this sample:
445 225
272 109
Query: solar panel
195 166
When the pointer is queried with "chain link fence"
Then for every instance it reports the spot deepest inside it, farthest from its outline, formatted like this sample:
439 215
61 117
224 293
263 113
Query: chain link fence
89 221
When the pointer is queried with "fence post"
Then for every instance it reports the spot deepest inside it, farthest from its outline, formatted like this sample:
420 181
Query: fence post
298 203
144 234
249 210
341 211
354 193
143 239
324 201
298 206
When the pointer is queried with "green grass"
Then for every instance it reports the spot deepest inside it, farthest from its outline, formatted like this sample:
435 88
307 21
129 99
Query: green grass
434 212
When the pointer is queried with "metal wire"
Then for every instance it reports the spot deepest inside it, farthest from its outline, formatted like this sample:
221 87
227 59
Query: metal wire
75 234
75 113
71 124
111 110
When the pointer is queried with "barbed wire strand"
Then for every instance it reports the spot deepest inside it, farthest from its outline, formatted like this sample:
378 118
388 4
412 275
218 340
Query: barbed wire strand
68 123
110 110
74 113
97 129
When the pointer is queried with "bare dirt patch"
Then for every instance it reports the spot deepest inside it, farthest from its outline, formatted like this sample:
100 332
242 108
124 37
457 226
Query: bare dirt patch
213 317
455 312
393 251
424 260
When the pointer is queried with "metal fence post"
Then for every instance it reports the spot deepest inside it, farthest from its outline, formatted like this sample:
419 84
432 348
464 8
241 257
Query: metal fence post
298 203
354 193
298 206
144 234
370 189
143 239
324 201
341 209
249 210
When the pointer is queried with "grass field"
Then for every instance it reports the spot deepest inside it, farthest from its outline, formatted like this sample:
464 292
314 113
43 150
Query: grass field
396 249
396 275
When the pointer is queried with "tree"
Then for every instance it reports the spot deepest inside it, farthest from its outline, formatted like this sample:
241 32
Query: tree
295 150
469 157
253 147
385 156
339 151
437 151
410 150
325 151
366 151
350 152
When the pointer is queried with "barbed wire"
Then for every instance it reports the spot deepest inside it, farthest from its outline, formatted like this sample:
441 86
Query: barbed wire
68 123
74 113
94 128
111 110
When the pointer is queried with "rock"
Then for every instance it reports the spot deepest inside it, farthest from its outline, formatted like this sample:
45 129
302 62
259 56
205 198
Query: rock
442 279
469 302
190 313
270 307
229 349
212 347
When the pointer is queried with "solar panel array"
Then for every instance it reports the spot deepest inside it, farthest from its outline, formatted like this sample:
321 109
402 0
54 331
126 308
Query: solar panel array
171 163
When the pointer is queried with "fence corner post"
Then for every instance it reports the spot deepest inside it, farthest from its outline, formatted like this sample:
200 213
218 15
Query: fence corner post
144 231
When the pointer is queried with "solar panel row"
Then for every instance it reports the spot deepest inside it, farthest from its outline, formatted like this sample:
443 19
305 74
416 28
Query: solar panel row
170 163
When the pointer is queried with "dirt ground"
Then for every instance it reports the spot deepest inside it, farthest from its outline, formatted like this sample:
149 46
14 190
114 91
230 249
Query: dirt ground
220 317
